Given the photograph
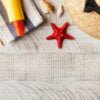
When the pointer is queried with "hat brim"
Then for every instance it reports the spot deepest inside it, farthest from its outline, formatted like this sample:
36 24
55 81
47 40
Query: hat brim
88 22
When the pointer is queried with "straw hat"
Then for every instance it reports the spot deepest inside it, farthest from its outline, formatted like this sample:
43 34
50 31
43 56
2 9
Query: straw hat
88 22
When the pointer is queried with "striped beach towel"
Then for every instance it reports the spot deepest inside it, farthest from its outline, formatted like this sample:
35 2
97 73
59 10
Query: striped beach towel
33 20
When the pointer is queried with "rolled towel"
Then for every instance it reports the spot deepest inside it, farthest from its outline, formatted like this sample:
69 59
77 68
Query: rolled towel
33 19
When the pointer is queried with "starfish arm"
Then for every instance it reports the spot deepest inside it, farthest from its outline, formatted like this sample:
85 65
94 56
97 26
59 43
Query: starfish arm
50 37
54 27
60 34
67 36
64 27
59 42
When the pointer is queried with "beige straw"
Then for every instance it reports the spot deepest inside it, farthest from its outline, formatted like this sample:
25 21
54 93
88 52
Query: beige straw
88 22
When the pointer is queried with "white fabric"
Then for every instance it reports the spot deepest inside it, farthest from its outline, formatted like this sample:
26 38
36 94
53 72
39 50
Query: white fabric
32 13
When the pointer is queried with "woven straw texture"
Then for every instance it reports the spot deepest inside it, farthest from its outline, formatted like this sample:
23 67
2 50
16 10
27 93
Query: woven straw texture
88 22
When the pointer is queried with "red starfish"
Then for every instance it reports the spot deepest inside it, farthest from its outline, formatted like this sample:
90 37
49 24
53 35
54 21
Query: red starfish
60 34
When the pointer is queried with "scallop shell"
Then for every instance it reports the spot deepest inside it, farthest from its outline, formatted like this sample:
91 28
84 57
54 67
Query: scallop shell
44 10
46 6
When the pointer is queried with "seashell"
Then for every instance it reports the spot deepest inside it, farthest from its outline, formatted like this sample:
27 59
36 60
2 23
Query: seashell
60 11
1 44
44 10
46 6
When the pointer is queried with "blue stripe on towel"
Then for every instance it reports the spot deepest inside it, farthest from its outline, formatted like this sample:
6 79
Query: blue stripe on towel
28 23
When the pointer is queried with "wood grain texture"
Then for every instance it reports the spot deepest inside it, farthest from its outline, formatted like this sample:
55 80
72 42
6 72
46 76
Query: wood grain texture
49 90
